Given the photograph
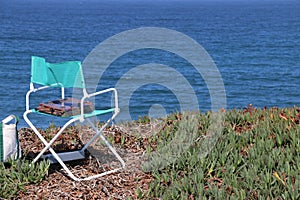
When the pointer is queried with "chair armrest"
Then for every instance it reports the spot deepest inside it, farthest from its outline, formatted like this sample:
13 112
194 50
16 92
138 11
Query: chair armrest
98 93
32 90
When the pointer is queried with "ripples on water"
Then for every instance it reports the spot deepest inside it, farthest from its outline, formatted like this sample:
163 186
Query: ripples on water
256 47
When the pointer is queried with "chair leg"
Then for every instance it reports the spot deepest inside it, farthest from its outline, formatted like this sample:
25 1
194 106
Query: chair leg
99 134
58 158
48 145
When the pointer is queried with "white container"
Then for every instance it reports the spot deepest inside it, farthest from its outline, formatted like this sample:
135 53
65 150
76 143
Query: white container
9 141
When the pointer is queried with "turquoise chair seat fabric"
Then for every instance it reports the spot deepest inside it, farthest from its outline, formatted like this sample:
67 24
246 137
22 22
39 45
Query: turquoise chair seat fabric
87 115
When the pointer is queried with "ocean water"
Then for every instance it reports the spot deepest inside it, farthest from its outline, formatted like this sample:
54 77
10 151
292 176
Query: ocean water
255 46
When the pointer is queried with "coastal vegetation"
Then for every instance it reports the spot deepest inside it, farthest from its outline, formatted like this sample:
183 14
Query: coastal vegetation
256 156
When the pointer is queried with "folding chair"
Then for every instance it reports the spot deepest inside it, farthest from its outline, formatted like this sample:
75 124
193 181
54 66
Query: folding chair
68 75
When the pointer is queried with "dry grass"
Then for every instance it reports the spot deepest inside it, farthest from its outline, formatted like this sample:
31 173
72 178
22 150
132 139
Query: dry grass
130 140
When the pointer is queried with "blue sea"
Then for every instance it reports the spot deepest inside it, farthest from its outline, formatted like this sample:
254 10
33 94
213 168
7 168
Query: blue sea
254 44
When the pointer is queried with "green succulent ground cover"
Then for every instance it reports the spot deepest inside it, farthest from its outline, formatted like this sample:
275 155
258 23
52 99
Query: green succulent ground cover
14 175
256 157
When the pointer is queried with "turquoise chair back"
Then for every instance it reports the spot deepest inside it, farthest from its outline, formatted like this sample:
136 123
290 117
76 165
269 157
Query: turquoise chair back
66 74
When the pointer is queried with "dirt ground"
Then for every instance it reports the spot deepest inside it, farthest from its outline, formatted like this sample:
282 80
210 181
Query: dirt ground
130 142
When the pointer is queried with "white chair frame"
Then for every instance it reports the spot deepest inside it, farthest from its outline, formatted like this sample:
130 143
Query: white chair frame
74 155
